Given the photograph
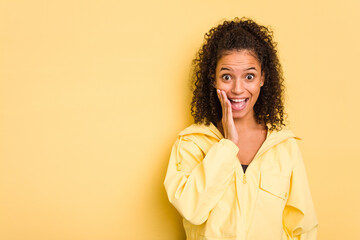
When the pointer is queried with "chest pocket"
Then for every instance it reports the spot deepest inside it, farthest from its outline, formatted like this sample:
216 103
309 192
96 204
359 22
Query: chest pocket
276 185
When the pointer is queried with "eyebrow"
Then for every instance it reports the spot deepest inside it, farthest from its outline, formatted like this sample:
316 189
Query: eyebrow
250 68
224 68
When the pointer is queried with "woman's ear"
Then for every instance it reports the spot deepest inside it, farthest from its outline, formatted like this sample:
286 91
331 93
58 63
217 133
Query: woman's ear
262 79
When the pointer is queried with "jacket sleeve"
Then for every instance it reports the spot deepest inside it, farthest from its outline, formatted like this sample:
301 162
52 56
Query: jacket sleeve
299 216
196 181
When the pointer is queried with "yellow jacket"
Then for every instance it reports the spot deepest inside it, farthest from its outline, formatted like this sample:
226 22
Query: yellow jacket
206 184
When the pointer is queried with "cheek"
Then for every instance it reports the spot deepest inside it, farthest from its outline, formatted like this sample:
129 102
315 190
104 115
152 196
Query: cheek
255 89
220 85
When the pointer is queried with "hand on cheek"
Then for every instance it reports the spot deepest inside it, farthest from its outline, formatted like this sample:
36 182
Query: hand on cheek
227 120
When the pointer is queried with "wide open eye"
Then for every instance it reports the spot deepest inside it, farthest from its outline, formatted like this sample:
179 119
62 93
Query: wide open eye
250 77
226 77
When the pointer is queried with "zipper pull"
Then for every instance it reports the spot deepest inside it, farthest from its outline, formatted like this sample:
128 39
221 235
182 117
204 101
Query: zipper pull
244 178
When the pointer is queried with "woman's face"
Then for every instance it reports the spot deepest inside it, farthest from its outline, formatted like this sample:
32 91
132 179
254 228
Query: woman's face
238 73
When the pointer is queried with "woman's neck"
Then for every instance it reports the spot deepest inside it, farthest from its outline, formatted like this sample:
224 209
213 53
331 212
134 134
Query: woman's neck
247 124
244 125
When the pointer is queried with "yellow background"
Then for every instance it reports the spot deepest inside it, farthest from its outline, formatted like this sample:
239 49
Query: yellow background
93 93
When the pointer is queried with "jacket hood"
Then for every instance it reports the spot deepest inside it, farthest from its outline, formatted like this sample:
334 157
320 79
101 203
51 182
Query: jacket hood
210 130
273 137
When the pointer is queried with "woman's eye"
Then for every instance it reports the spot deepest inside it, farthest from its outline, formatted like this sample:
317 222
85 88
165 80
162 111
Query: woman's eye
250 77
226 77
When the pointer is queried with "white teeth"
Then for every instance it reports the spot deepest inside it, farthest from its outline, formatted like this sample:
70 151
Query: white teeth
238 100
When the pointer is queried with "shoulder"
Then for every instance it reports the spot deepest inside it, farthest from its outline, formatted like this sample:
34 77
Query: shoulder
200 132
283 136
202 129
198 137
285 143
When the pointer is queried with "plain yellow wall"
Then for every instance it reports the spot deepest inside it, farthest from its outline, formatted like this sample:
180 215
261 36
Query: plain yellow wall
93 93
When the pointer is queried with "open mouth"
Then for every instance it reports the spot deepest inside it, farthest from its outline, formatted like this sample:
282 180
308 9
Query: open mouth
238 103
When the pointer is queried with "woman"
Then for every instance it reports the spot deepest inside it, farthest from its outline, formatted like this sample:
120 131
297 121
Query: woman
237 173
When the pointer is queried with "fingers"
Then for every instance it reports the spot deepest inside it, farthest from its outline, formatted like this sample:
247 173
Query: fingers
219 97
230 131
218 91
228 107
225 106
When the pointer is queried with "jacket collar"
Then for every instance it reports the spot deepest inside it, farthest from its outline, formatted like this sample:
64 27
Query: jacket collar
273 137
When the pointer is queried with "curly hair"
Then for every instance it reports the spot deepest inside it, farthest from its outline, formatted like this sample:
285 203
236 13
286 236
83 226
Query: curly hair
238 34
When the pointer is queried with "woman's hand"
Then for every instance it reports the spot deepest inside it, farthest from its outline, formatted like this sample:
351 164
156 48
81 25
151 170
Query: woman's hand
227 120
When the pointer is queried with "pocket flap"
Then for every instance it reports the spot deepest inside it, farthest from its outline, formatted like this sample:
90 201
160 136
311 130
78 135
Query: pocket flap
276 185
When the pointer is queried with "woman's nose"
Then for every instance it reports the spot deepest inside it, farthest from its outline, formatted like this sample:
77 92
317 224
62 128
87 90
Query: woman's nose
237 87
